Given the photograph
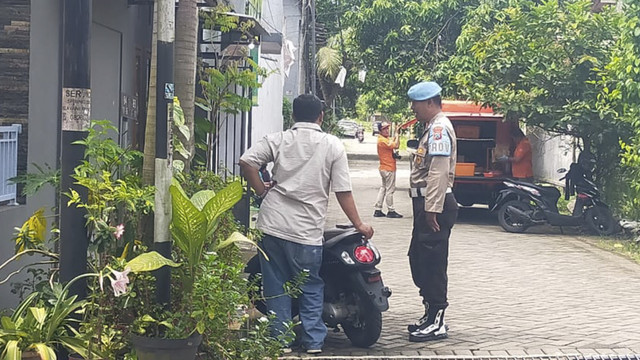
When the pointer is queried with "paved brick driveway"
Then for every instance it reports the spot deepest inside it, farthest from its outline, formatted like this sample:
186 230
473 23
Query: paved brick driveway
538 293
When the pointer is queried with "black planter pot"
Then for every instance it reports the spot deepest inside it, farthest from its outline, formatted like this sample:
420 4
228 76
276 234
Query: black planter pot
151 348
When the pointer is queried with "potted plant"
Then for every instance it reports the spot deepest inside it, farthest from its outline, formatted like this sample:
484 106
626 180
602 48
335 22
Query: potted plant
176 331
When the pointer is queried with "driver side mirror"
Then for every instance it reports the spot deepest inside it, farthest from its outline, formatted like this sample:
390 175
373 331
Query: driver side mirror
413 143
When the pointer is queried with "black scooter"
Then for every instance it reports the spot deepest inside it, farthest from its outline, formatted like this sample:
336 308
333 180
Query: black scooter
522 204
354 294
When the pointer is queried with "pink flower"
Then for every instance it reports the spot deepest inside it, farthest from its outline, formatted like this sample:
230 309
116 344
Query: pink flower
121 281
119 231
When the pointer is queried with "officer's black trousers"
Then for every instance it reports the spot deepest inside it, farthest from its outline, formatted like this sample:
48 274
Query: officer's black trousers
429 251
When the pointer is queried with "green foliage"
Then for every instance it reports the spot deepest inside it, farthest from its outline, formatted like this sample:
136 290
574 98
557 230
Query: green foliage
32 233
619 98
33 182
110 175
630 249
149 261
181 135
220 85
223 316
192 228
400 42
40 323
539 62
287 114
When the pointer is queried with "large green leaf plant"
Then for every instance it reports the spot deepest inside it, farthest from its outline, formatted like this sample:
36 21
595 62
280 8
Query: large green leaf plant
195 220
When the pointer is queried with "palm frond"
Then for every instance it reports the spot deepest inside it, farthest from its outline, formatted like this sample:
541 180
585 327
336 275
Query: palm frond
328 62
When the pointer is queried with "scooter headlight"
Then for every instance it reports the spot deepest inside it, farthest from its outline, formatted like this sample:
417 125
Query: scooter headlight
364 254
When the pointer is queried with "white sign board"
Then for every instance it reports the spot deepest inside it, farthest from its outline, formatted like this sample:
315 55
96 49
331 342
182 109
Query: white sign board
76 109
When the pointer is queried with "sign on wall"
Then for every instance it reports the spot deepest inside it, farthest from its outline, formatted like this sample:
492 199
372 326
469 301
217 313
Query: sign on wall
76 109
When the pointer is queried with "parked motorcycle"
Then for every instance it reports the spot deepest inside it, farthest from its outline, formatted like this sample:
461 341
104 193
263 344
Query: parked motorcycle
522 204
360 134
354 294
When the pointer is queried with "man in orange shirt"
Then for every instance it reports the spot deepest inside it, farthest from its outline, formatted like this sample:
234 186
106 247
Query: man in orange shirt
387 172
521 161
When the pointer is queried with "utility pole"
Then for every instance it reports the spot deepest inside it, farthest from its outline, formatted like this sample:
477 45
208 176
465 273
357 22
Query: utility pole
164 119
74 119
312 4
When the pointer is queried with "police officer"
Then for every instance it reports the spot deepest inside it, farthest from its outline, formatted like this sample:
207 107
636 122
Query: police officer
434 209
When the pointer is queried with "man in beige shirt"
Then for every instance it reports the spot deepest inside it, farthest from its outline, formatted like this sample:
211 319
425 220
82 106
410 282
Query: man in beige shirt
435 209
308 163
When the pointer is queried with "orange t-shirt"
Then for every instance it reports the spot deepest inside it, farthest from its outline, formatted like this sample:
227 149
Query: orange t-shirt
385 153
521 167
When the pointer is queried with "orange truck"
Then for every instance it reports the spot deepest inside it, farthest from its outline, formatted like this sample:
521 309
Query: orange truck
482 137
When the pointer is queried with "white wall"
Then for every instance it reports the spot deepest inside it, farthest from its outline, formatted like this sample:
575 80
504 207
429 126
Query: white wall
267 116
294 83
550 153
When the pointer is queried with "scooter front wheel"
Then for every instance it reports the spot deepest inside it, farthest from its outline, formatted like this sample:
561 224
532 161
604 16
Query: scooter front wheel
511 222
600 221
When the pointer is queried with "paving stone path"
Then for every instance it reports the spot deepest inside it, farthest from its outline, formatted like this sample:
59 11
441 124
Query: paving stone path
540 294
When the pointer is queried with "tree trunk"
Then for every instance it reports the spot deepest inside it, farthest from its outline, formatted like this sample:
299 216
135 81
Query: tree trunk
185 70
148 165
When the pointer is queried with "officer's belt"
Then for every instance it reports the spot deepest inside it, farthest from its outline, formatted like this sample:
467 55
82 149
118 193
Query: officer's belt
422 191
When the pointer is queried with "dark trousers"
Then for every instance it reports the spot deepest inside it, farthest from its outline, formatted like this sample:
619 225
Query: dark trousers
429 251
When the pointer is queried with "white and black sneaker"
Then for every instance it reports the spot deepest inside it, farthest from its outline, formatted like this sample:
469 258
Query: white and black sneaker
433 328
415 326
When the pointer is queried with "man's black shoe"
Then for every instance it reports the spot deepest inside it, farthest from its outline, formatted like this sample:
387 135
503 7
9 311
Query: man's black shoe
393 215
378 213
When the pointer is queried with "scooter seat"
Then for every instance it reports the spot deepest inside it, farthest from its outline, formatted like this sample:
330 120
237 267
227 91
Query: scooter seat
546 191
331 233
334 236
549 192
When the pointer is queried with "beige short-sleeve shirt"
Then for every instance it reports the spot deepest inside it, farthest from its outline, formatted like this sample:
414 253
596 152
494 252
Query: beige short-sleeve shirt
434 162
308 163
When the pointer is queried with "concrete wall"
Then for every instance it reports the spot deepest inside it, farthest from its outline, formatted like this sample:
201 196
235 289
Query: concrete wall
267 116
550 153
114 34
42 147
294 82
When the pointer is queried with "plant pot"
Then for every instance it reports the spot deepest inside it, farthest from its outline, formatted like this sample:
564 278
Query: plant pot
151 348
30 355
78 357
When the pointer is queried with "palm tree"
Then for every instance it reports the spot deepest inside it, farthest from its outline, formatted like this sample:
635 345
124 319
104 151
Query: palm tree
148 165
328 64
186 52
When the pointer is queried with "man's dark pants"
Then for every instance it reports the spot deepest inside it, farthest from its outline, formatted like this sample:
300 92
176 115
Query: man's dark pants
429 251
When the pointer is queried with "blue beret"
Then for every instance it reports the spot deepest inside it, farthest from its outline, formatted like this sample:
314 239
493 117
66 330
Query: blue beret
424 90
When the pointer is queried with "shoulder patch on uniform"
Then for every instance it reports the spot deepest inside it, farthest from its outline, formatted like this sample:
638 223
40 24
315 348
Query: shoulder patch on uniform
439 141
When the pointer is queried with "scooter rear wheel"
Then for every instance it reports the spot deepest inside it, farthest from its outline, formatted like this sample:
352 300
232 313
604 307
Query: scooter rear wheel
365 331
600 221
510 223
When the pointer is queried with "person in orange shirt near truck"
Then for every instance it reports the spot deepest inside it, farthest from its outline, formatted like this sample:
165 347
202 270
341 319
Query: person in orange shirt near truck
521 161
387 169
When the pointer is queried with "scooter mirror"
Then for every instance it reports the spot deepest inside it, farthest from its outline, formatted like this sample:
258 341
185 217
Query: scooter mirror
562 171
413 144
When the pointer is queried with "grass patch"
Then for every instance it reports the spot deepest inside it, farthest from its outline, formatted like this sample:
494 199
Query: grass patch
627 248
